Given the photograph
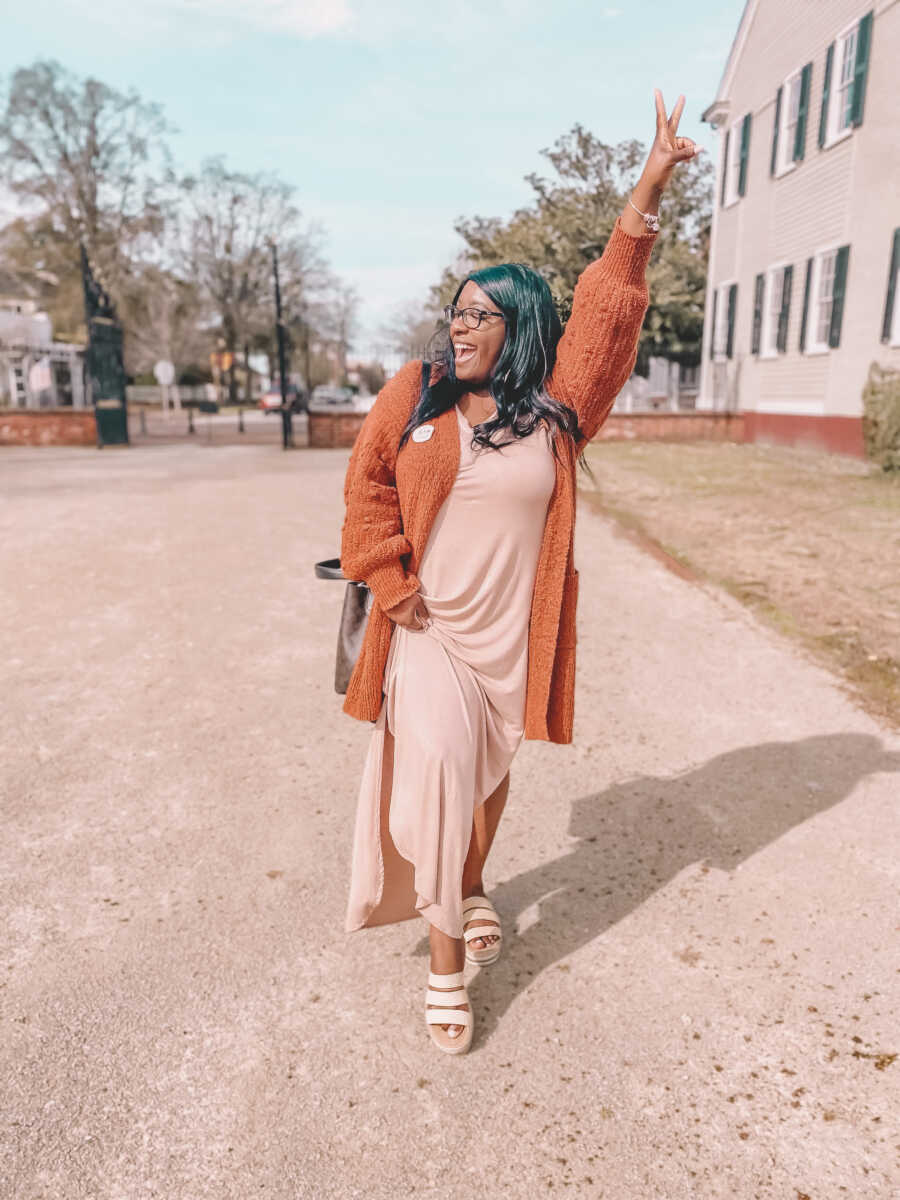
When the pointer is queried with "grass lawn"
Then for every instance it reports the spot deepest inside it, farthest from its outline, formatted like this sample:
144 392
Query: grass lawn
810 542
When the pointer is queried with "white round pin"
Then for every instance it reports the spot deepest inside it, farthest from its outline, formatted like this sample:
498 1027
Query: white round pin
423 433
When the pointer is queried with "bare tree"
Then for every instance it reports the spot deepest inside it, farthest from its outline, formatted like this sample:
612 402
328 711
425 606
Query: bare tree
86 162
409 328
229 223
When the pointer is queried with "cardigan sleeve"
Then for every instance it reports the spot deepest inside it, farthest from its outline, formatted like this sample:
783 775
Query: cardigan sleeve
597 352
373 543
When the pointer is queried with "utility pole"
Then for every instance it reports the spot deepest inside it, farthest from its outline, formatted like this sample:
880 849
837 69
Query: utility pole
287 433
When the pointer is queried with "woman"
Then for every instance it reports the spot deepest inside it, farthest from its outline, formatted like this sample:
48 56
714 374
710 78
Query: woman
460 497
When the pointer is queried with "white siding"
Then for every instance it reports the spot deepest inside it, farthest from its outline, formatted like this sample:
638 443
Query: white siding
848 193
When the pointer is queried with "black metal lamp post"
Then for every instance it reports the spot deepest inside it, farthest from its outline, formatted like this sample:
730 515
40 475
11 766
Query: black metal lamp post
287 433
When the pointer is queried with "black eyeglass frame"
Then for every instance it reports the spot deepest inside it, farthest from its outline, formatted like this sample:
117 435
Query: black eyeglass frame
450 313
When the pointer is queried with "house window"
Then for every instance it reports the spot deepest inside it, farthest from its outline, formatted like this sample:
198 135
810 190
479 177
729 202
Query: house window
724 307
823 300
847 55
771 311
734 167
774 303
736 157
844 90
792 116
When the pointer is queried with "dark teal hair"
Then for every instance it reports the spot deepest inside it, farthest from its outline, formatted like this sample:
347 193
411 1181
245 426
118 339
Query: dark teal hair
526 361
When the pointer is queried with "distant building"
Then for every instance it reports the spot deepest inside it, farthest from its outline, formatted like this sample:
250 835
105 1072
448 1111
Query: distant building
805 251
35 371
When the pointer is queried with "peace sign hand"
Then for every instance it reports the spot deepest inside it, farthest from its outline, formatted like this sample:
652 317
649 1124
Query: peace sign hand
668 148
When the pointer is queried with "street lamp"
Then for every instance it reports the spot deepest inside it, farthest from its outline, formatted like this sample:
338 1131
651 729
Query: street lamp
287 435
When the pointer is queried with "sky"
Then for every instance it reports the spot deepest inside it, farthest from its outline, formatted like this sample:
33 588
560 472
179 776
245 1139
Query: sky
392 118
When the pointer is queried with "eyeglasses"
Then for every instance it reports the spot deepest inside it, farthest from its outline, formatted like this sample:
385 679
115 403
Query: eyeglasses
472 317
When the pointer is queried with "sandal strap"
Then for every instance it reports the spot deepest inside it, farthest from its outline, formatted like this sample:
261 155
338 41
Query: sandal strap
478 901
451 998
448 1016
482 931
480 914
454 979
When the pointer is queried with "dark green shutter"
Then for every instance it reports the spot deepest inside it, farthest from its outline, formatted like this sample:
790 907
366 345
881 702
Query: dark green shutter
861 69
784 314
800 132
712 340
837 303
806 288
891 289
773 165
732 307
725 165
745 155
826 95
758 291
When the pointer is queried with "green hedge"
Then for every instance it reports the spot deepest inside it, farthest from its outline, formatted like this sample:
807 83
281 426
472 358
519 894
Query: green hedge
881 416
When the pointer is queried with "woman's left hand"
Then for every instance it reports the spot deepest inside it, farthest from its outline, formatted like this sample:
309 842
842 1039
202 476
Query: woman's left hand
668 148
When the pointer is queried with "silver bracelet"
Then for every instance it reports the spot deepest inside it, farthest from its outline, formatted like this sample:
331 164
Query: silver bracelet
651 220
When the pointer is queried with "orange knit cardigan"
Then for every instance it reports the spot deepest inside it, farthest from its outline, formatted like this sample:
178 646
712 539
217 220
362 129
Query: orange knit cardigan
392 499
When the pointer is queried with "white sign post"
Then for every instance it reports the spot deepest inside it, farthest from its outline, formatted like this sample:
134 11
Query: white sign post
165 377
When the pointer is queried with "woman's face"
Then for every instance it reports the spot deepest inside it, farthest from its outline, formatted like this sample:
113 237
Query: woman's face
476 350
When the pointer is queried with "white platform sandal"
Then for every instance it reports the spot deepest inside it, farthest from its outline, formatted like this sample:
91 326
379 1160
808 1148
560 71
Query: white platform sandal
479 908
436 1017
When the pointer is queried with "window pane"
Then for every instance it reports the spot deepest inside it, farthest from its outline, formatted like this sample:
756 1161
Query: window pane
790 128
845 82
825 297
773 310
720 333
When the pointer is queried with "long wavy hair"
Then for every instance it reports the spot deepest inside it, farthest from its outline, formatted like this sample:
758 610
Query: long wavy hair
526 361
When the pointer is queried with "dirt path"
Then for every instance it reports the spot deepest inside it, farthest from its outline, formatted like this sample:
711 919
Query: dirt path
698 994
810 542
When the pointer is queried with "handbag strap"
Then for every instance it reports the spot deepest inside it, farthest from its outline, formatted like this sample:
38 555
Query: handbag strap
329 568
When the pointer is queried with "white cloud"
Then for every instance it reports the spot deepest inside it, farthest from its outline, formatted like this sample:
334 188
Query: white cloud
303 18
219 21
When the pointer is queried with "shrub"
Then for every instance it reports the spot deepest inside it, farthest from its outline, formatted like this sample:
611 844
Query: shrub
881 416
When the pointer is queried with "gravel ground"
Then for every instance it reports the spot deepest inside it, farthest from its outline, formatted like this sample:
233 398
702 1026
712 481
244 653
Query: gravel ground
698 995
809 541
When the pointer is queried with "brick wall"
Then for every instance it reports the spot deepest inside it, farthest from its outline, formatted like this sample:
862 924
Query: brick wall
834 435
334 429
47 427
673 427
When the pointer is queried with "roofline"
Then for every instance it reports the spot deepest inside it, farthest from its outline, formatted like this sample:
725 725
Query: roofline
734 54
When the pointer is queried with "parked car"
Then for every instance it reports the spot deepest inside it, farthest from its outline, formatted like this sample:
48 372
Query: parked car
270 401
326 394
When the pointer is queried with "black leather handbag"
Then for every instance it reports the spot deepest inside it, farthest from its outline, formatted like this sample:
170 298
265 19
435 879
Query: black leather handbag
357 606
354 618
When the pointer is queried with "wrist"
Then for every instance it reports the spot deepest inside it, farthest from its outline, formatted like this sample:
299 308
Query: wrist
647 194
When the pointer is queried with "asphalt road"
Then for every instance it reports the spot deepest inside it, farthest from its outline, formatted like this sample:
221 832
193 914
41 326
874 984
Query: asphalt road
698 996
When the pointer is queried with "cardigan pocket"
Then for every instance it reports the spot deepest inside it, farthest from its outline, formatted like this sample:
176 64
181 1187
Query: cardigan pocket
567 633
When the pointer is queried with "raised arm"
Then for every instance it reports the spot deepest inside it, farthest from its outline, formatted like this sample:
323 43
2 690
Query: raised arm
372 539
597 352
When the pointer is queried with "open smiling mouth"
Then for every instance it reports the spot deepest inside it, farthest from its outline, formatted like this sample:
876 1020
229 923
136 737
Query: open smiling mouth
464 352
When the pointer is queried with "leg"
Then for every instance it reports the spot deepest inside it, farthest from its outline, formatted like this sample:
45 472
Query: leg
484 826
447 953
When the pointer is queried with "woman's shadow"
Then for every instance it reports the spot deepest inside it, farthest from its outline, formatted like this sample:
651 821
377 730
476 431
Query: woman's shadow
636 836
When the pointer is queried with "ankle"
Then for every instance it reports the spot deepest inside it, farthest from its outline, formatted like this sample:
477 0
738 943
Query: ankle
473 887
447 954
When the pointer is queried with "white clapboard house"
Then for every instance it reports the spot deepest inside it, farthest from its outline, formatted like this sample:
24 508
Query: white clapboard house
805 249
